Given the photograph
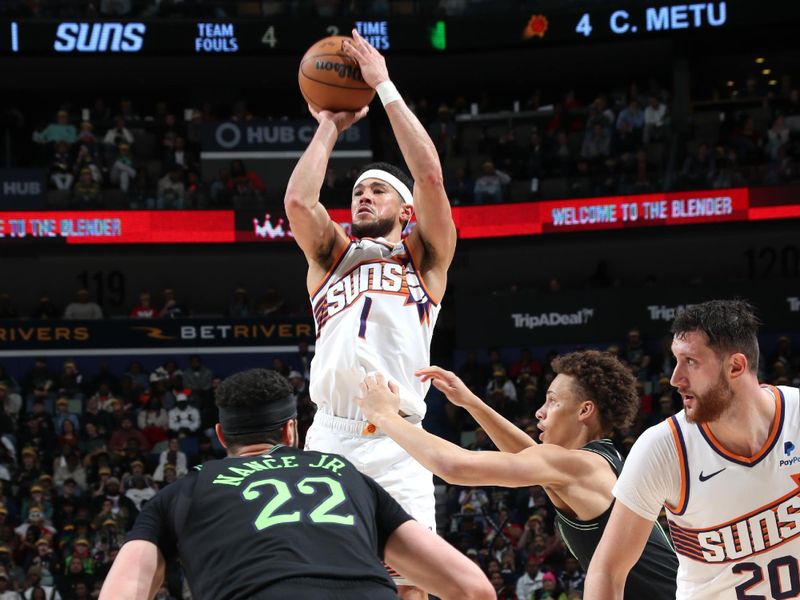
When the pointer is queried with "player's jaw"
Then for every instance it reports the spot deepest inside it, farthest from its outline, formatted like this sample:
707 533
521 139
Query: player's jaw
708 405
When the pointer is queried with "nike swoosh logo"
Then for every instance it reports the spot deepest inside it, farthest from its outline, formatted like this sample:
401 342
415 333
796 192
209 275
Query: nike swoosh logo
710 475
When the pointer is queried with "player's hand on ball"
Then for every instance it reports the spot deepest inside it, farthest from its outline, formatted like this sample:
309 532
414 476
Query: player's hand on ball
378 398
342 120
372 63
449 384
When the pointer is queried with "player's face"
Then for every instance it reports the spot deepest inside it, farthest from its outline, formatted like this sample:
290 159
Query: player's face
558 416
376 209
700 378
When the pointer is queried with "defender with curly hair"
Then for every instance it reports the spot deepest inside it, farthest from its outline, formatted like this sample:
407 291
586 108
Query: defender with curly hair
593 393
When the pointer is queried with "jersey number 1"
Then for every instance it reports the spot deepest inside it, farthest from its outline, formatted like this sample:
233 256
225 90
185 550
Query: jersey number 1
321 514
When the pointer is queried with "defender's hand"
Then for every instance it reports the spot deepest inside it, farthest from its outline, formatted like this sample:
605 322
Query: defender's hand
378 399
449 384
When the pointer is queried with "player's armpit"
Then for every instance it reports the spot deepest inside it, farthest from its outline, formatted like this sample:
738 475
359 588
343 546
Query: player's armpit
434 565
136 574
621 546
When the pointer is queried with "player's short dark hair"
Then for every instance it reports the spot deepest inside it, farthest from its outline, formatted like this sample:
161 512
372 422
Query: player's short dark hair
391 169
731 326
604 380
249 389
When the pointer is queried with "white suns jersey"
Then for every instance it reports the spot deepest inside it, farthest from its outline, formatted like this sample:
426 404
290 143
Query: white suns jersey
735 521
373 314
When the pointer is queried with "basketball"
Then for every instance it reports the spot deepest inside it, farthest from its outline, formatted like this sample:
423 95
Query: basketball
331 80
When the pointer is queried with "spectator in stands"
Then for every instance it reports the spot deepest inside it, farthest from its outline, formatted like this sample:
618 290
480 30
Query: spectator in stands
119 439
143 192
443 131
746 141
572 577
139 491
86 191
123 171
61 175
551 588
489 186
699 169
244 182
198 377
7 589
777 136
729 172
59 131
45 309
596 144
174 456
86 136
83 307
119 134
183 419
531 580
636 355
70 382
143 310
178 156
68 468
561 156
86 159
239 306
171 190
504 591
173 308
63 414
633 116
153 421
655 119
460 187
11 403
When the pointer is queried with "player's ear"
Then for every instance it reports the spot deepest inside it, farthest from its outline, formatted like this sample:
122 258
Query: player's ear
587 410
737 364
220 435
289 433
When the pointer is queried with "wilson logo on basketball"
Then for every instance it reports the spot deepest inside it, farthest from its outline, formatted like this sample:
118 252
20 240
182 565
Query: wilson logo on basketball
342 70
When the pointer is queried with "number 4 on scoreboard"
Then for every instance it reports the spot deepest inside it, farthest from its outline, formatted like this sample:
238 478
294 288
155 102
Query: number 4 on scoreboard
584 26
269 38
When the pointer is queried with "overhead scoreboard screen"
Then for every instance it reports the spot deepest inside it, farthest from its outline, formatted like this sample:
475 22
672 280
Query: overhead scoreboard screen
263 37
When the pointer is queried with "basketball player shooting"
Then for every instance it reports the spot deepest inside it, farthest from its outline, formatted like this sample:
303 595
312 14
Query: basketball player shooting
375 297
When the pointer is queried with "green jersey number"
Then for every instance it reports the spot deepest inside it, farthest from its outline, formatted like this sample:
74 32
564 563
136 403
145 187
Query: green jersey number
308 486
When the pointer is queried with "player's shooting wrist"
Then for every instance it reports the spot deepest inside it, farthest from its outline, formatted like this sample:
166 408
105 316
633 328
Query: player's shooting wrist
387 92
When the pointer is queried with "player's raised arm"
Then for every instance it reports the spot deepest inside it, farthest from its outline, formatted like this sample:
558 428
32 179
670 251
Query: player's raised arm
435 228
318 236
543 464
505 435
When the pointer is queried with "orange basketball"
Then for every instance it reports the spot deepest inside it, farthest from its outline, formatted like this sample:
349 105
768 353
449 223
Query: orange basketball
331 80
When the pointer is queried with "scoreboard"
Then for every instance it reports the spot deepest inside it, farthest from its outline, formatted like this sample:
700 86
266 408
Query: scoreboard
264 37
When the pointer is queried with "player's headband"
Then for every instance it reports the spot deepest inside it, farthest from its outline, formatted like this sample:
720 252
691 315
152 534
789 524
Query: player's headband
393 181
257 419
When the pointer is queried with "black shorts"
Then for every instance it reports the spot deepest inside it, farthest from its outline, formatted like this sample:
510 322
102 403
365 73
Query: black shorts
315 588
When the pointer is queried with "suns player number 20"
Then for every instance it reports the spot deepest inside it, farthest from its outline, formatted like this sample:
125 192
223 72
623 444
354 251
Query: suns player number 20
784 579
